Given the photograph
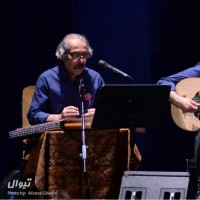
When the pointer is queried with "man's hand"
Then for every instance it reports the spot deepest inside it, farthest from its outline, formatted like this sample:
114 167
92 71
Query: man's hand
185 104
70 112
90 112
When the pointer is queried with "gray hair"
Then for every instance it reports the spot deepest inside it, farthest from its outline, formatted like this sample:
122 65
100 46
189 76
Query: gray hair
62 47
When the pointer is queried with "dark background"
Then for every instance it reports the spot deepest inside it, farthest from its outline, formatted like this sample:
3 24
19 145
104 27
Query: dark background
147 39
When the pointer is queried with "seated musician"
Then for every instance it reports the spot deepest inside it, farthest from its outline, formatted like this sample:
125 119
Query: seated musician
57 91
186 105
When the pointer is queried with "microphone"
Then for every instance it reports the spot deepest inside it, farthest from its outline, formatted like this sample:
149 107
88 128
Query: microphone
105 64
81 89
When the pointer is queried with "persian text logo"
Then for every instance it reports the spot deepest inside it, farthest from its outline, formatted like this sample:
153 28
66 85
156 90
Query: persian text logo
20 184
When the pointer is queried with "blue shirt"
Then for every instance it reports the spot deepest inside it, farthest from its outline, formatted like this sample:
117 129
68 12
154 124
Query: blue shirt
175 78
54 91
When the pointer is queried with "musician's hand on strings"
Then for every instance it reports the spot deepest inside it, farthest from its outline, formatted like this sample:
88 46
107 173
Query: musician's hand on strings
188 105
185 104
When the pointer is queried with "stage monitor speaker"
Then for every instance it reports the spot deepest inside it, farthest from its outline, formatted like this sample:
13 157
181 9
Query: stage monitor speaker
154 185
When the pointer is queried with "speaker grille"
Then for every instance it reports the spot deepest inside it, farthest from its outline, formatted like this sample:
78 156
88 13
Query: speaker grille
154 185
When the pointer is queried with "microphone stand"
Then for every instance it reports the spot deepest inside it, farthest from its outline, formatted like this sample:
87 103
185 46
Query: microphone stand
84 147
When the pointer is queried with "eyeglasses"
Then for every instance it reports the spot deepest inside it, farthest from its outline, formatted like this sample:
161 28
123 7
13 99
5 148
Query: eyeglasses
78 55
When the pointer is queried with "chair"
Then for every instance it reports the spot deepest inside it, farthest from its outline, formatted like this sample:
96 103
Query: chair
30 150
27 95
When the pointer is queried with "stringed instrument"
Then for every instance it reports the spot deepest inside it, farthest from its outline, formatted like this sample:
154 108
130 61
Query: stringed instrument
189 88
64 124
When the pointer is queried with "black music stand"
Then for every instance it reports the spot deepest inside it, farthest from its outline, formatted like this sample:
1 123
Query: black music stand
123 105
131 106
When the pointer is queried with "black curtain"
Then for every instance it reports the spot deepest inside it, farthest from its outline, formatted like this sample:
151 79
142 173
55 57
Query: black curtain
147 39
